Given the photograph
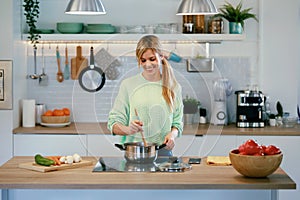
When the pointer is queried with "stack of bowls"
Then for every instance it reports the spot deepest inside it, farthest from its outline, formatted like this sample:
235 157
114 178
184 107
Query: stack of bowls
69 27
289 122
100 28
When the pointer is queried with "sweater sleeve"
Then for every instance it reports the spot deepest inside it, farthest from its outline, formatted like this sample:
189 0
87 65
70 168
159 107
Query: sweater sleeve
120 111
178 112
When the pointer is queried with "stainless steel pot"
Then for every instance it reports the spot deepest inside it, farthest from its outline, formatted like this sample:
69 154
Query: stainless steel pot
138 153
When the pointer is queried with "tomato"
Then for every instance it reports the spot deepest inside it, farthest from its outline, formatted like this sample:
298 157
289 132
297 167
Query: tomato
242 148
251 147
271 150
263 147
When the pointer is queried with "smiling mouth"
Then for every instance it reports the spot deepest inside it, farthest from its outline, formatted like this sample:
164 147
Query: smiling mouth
149 69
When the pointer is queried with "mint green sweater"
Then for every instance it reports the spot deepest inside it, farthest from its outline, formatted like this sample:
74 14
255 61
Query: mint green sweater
146 97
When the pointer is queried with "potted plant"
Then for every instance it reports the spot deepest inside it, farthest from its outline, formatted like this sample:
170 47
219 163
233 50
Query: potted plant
235 16
279 113
31 12
279 109
190 107
272 119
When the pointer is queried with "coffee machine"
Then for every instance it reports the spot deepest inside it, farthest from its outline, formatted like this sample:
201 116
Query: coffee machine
250 107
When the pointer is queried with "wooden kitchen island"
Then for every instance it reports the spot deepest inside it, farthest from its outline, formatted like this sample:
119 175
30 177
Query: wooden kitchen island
200 177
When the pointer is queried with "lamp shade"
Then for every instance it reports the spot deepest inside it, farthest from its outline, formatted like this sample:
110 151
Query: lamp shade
85 7
197 7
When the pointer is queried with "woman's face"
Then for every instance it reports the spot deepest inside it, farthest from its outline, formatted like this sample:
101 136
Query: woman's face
150 61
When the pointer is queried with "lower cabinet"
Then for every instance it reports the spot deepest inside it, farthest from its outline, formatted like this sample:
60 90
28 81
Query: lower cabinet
217 145
213 145
31 144
103 145
187 145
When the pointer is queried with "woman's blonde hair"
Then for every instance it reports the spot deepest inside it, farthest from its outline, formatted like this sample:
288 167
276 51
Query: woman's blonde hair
169 81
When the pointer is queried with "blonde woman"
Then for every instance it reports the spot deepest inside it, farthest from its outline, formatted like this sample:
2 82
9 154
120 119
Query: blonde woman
155 95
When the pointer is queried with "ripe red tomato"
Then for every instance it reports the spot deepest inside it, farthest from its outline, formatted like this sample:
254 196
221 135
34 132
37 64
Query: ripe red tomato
251 148
271 150
242 148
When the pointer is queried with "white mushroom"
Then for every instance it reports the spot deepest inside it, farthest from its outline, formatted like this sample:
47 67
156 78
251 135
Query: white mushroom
69 159
62 159
76 158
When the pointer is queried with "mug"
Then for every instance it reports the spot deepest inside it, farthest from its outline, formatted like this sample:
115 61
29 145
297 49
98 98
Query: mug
174 57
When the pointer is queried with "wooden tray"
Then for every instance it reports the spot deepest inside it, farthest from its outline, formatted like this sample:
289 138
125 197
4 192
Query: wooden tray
40 168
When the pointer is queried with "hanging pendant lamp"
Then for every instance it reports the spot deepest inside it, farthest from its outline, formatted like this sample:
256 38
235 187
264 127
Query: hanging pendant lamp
85 7
197 7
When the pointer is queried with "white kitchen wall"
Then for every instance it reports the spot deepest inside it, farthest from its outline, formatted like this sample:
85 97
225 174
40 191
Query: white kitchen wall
95 107
6 53
280 69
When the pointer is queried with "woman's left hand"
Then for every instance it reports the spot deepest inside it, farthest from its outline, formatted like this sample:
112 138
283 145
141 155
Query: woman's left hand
169 141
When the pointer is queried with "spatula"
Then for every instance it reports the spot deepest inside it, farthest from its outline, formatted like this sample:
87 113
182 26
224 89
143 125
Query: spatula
67 69
143 137
59 75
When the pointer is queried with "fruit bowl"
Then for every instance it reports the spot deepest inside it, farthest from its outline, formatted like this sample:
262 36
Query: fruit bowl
55 119
255 166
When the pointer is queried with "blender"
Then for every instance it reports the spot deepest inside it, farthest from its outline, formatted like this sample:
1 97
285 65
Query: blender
221 89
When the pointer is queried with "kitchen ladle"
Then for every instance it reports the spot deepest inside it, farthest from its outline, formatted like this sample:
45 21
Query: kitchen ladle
43 78
143 137
59 75
34 76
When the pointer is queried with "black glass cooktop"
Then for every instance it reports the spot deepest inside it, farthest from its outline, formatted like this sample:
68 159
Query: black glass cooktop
119 164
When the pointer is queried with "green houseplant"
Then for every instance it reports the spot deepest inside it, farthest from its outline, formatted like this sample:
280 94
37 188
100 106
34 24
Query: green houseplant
235 16
31 12
191 105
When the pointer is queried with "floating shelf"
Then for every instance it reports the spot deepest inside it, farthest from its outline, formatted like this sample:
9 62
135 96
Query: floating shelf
133 38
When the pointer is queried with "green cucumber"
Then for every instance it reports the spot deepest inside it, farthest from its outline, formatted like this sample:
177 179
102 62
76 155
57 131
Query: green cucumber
40 160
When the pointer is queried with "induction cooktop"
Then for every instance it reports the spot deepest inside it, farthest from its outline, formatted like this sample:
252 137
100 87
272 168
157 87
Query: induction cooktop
119 164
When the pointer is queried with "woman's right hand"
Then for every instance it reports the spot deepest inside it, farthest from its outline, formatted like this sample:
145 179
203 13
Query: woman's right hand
135 126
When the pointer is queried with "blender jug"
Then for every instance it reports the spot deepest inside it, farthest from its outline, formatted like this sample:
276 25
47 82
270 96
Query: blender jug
221 89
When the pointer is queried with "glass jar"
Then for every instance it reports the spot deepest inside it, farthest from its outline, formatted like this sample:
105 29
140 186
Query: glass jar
215 26
187 24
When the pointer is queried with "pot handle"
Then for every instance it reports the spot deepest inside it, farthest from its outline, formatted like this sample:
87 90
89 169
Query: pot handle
120 146
161 146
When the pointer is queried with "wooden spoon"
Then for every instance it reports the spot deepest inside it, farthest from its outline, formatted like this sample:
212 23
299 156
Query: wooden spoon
59 75
143 137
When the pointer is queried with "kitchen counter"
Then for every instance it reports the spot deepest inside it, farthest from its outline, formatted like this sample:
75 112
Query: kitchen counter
193 129
199 177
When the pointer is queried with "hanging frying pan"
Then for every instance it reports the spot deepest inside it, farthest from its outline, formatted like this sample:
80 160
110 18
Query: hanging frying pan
91 78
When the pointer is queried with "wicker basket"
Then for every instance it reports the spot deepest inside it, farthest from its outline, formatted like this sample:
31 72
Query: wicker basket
55 119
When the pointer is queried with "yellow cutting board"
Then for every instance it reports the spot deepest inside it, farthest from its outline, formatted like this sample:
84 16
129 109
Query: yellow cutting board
218 160
35 167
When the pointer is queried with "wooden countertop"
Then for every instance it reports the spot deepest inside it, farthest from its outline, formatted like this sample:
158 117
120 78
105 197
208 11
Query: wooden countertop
199 177
194 129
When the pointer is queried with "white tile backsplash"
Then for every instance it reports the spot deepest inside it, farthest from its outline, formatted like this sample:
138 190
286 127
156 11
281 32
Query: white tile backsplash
91 107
